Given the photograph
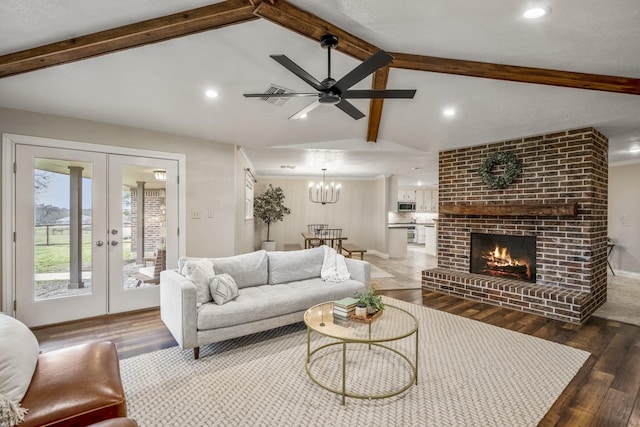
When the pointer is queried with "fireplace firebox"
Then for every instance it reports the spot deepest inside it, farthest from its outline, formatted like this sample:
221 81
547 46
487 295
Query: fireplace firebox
504 256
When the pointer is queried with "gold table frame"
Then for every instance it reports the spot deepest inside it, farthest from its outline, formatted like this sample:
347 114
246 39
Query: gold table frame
343 340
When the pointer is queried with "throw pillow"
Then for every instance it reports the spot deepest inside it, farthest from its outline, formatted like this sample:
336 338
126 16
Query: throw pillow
223 288
200 273
18 358
291 266
247 269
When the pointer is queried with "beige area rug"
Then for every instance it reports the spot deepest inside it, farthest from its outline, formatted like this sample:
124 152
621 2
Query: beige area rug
623 300
470 374
378 273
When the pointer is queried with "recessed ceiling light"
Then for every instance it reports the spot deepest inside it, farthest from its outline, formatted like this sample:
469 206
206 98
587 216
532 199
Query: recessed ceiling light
211 93
449 112
535 12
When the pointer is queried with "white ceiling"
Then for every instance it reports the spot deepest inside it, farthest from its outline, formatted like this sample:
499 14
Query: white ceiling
161 86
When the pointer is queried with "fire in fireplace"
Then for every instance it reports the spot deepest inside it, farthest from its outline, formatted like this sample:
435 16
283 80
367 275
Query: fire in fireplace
509 257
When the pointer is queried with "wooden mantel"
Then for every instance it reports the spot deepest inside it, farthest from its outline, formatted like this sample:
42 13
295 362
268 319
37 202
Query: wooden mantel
546 210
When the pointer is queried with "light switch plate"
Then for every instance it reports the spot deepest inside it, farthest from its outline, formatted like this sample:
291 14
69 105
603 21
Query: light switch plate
210 213
195 213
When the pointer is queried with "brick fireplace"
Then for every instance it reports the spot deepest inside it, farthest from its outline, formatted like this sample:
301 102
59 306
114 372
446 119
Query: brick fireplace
560 198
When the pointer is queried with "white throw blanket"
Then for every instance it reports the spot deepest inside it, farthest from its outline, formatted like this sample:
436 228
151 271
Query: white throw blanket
334 268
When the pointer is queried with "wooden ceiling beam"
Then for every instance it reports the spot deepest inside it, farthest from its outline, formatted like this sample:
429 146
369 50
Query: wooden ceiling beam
517 74
306 24
128 36
379 82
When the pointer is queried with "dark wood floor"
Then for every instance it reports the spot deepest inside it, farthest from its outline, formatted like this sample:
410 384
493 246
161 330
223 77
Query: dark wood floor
605 392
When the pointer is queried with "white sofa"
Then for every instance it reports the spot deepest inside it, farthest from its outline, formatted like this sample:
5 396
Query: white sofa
274 289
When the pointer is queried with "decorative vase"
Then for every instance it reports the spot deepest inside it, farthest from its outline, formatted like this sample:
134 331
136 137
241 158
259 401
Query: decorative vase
361 311
269 245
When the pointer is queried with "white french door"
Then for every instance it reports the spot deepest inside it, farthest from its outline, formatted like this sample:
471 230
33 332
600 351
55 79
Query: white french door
137 245
90 227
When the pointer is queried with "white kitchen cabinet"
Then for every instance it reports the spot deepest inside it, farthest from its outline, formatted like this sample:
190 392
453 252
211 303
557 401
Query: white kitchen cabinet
397 242
434 200
427 200
421 231
406 195
431 241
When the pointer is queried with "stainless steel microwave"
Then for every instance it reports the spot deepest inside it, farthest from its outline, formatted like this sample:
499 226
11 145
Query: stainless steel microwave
406 206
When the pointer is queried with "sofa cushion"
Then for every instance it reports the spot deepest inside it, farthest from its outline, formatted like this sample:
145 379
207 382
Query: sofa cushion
263 302
247 269
223 288
200 273
18 358
290 266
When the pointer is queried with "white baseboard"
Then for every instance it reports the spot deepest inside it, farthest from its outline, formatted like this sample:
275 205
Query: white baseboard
627 274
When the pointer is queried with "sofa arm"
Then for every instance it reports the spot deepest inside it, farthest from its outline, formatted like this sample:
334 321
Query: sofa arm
359 270
178 307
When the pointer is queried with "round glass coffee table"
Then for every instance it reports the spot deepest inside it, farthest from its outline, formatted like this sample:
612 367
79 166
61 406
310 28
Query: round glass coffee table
393 325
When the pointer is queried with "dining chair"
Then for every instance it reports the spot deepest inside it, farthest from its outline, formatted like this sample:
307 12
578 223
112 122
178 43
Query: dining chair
332 238
316 229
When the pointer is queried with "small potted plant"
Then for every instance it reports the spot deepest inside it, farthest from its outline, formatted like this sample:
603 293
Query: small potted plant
372 301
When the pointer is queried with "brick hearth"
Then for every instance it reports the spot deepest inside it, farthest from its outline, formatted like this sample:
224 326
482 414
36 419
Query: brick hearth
557 169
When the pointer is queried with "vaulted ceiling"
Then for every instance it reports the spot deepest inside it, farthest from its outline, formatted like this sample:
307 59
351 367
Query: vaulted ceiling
144 64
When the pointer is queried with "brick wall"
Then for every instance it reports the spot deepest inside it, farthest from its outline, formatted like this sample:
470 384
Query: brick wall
563 167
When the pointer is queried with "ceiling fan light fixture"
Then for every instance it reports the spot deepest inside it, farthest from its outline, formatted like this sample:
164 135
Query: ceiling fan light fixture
536 12
211 93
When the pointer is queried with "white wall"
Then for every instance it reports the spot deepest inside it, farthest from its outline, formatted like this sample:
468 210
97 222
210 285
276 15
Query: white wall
210 179
624 199
361 212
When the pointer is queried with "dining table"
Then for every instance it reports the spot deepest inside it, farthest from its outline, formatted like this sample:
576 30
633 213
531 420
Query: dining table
334 242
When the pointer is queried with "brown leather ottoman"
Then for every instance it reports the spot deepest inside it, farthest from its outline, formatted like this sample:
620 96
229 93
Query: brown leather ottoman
75 386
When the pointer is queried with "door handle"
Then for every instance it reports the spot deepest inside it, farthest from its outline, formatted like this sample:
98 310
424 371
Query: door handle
99 243
114 243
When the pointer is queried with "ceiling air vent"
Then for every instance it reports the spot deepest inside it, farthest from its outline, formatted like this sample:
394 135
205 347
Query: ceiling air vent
275 90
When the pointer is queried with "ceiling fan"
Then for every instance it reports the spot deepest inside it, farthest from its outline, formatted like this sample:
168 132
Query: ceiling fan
332 92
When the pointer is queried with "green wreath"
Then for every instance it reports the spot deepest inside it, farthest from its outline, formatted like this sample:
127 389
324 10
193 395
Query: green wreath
513 167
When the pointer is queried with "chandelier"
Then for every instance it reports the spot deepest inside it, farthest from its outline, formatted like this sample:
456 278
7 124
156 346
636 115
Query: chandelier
323 193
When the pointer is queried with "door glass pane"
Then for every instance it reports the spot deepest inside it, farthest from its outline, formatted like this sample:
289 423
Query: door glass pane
62 218
144 228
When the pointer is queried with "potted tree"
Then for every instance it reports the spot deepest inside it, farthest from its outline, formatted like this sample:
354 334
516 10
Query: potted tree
269 207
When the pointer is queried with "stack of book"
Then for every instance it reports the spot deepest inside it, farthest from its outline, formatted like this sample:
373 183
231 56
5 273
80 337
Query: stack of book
344 308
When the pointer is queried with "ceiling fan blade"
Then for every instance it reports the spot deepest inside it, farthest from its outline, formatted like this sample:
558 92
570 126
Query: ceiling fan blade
277 95
378 94
377 60
295 69
305 110
350 109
